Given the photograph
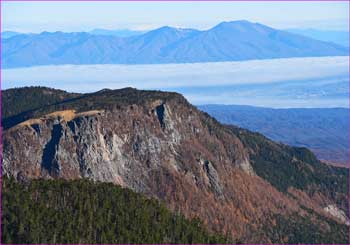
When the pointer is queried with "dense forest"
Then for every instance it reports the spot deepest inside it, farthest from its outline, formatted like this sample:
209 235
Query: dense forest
31 98
81 211
33 102
19 104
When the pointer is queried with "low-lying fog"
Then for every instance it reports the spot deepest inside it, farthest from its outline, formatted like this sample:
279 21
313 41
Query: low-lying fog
279 83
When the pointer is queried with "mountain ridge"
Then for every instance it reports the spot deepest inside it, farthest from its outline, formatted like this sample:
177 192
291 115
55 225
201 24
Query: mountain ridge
158 144
322 130
227 41
334 36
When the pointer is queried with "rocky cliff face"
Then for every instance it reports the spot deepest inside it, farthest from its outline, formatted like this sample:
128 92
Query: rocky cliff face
158 144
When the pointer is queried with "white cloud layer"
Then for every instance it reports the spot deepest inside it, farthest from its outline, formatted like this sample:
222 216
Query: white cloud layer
196 77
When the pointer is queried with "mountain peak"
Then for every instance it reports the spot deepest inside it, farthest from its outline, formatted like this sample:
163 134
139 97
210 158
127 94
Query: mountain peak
165 29
235 23
241 26
228 41
239 22
173 30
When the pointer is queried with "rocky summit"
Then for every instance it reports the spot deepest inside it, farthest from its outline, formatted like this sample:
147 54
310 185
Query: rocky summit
239 183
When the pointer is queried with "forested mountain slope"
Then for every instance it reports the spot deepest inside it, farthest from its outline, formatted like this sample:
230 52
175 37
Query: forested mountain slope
58 211
236 182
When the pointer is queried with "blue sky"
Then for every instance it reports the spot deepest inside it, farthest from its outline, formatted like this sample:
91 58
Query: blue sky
84 16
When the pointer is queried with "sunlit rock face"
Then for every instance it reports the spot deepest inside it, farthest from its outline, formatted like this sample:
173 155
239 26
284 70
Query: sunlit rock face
338 213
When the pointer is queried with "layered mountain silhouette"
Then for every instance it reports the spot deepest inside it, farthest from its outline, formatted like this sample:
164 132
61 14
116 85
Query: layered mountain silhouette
238 183
322 130
8 34
117 33
337 37
228 41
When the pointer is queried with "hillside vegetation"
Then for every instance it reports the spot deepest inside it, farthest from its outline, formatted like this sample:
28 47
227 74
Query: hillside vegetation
286 167
34 102
239 183
58 211
16 103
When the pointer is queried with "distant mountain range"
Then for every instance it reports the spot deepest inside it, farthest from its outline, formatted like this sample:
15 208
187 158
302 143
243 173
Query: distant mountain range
337 37
97 31
323 130
116 33
8 34
228 41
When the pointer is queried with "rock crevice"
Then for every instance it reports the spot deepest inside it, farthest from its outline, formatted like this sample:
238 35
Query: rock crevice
49 161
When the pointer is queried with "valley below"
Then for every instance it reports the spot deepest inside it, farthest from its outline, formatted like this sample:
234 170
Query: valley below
325 131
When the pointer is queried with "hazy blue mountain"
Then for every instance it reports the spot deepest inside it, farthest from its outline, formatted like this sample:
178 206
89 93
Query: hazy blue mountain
228 41
337 37
59 48
117 33
8 34
243 40
150 47
323 130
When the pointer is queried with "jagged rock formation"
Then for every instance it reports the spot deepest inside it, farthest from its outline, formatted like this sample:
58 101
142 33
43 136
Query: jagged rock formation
158 144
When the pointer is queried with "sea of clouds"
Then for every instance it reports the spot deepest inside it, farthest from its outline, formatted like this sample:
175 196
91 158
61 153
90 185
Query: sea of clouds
279 83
